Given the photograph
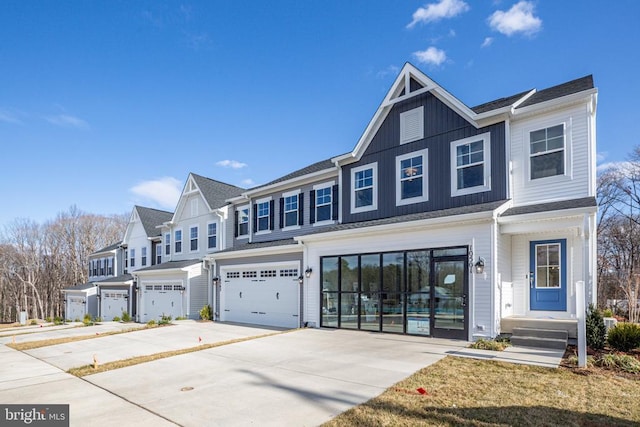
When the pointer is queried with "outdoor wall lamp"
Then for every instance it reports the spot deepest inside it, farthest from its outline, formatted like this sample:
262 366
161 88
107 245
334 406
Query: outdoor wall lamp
308 271
215 281
479 266
301 279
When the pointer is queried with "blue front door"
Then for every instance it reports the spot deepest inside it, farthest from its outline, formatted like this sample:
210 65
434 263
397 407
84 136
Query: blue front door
548 275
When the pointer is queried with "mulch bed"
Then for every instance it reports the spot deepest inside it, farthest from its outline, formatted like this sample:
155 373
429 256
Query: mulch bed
572 352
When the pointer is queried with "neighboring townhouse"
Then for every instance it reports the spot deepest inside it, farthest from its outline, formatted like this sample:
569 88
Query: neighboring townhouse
446 221
81 300
117 293
179 286
258 277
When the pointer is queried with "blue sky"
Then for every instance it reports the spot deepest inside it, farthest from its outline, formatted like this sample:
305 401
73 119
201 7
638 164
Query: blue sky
107 104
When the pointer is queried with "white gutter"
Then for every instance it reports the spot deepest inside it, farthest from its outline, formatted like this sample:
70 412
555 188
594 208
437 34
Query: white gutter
271 250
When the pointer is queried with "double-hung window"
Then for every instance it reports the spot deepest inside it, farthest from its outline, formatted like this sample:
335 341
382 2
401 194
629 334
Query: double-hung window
471 165
132 260
126 261
323 203
364 191
243 221
178 241
167 244
102 266
143 255
110 266
291 210
159 254
263 215
193 239
411 178
547 152
212 231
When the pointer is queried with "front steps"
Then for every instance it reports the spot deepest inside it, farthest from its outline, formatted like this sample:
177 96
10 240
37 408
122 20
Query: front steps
539 338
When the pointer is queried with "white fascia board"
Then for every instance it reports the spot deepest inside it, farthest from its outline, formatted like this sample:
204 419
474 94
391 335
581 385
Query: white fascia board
547 215
574 98
164 271
99 254
402 226
543 225
272 250
293 182
124 283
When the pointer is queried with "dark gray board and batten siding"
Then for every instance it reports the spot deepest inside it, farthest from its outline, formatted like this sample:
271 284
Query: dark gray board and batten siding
442 126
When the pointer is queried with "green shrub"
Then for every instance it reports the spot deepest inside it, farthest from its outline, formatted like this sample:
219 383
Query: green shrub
97 319
151 323
205 312
33 322
116 318
607 312
87 320
126 317
48 319
164 320
181 318
483 344
624 336
596 330
58 320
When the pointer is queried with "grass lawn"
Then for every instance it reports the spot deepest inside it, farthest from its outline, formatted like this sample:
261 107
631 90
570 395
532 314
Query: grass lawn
469 392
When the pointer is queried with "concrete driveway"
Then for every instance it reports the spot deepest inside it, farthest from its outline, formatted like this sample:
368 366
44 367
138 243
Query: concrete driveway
300 378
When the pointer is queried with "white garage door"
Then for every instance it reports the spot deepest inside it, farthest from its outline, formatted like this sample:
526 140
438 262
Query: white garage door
75 308
112 304
264 296
159 300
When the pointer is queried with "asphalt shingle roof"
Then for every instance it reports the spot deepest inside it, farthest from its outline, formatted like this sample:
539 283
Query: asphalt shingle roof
169 265
117 279
151 218
215 192
315 167
108 248
564 89
499 103
258 245
585 202
82 287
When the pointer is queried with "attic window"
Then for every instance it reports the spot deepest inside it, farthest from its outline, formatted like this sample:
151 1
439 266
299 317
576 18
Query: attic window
412 125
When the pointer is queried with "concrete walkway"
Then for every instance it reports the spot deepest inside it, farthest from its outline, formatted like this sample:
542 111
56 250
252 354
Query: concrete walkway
299 378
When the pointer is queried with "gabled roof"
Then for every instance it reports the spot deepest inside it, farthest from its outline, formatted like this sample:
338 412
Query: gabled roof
215 192
413 82
151 219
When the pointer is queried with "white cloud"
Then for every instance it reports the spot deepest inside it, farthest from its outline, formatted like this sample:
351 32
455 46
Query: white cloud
233 164
67 121
248 182
431 56
518 19
436 11
8 117
488 41
163 191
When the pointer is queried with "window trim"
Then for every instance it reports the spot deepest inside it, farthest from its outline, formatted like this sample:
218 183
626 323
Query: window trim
143 256
239 209
295 226
486 150
197 238
566 129
214 235
322 186
425 178
158 254
374 187
258 202
404 116
167 242
132 257
176 241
